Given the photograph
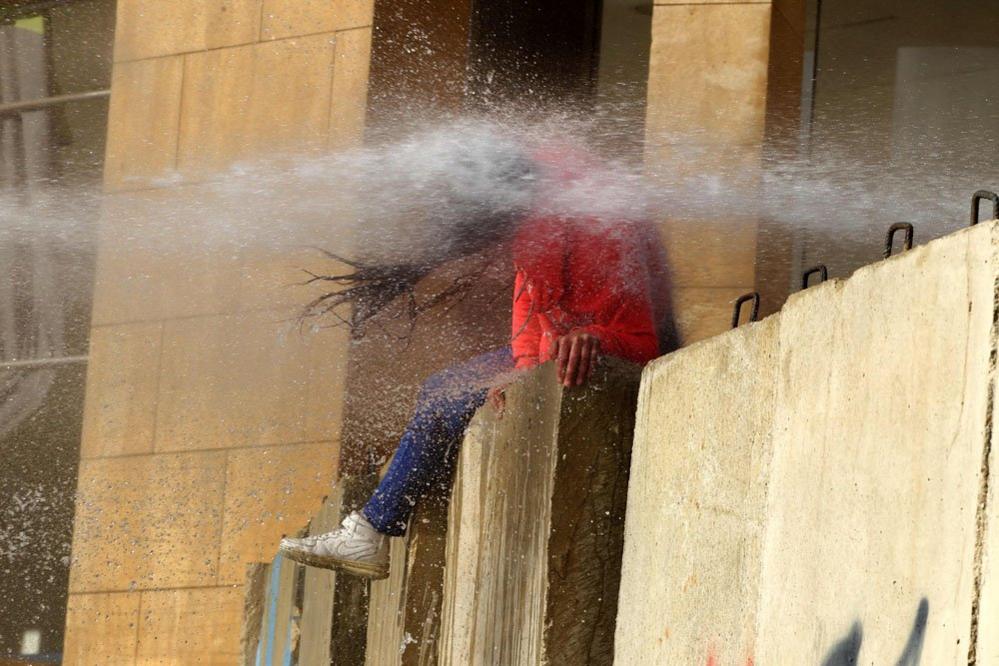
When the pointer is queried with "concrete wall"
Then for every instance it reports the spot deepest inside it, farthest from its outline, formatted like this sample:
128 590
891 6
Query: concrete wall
535 530
523 566
209 429
815 488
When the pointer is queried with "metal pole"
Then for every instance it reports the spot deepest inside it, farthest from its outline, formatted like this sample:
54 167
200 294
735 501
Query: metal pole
15 108
42 362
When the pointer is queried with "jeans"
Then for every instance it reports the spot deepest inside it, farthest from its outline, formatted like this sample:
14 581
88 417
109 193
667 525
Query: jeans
429 446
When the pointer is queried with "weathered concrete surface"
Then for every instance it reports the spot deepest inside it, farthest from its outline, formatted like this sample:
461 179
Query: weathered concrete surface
987 649
536 524
346 620
692 541
254 601
386 613
319 588
272 615
814 488
404 610
289 609
522 568
350 593
878 453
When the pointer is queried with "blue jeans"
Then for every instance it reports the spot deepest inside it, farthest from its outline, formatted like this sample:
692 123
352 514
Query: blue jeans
429 446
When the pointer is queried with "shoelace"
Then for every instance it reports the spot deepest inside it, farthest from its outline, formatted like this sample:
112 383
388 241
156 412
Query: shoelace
351 530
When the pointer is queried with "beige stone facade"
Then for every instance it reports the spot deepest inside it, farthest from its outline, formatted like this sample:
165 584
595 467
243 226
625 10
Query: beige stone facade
707 88
209 431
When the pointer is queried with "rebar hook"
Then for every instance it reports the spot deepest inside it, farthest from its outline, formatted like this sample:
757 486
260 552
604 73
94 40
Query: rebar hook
754 314
890 238
976 201
822 271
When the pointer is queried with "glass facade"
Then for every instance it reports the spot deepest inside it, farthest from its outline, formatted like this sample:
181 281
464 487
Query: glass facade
901 122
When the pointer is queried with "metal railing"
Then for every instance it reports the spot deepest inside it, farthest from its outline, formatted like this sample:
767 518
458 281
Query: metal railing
16 108
30 363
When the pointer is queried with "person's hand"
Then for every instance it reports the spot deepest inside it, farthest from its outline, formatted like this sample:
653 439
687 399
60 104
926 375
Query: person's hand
497 398
576 356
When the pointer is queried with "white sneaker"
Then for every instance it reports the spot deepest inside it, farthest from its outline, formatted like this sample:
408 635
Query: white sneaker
355 547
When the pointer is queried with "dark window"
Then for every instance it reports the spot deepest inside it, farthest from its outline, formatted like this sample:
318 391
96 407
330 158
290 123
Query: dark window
903 119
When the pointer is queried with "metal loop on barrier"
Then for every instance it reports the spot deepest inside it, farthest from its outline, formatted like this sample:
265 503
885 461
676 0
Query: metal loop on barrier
890 238
822 271
976 201
739 302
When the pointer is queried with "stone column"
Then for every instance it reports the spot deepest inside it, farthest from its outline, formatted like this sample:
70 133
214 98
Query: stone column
208 430
708 96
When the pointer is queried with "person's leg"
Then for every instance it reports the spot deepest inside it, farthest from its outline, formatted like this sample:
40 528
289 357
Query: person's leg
426 454
429 446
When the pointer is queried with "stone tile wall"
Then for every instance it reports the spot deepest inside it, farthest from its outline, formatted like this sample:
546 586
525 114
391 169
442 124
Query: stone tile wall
211 428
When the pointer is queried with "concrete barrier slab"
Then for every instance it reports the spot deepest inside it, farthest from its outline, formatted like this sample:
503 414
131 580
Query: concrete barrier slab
866 537
536 524
696 502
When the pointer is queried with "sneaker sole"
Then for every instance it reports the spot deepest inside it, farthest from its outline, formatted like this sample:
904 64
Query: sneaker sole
372 571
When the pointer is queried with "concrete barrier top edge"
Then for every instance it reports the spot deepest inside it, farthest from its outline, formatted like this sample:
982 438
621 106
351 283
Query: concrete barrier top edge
986 229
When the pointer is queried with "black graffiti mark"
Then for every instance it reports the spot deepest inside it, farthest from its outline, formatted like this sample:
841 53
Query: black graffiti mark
914 648
847 651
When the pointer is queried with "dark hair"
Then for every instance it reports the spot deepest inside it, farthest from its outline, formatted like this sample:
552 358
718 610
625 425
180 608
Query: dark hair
473 224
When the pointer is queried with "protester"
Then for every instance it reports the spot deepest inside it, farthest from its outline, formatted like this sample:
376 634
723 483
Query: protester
584 287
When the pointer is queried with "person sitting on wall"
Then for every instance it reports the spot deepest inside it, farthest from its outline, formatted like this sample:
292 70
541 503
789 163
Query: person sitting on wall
584 287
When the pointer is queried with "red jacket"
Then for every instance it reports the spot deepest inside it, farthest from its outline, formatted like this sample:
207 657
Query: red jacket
592 276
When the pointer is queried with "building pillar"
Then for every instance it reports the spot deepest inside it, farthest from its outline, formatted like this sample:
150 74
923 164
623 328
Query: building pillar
209 429
707 100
